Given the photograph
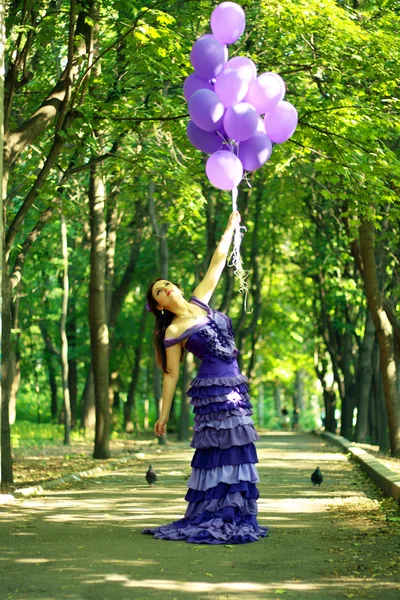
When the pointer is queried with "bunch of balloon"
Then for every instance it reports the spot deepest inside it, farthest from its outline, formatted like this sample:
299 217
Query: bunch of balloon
235 115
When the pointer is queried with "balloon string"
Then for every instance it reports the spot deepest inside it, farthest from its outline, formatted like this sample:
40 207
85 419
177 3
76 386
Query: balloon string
234 259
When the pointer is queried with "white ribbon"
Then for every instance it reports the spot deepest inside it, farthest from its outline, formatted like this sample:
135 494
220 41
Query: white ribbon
234 259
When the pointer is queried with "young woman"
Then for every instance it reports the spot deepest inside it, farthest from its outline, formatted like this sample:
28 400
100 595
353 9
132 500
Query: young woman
222 487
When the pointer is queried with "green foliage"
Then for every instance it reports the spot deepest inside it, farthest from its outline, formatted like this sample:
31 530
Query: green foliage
341 66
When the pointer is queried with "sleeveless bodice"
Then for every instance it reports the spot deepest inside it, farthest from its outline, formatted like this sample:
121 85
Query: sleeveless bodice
212 341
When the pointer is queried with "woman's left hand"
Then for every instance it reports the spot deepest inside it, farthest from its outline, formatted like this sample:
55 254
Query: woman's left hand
234 219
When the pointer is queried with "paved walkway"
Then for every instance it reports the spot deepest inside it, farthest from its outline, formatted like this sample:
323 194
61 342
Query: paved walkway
84 543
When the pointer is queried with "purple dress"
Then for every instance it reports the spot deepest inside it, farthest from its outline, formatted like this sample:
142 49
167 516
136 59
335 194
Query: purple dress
222 491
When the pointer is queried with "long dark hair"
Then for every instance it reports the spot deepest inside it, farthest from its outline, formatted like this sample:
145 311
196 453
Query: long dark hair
162 321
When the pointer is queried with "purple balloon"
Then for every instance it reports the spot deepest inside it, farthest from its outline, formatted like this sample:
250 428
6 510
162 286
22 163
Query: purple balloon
231 87
244 66
281 122
210 35
193 83
265 92
255 151
228 22
206 141
240 121
207 57
224 170
206 110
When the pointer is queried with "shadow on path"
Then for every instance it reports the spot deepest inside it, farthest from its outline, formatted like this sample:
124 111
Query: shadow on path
85 542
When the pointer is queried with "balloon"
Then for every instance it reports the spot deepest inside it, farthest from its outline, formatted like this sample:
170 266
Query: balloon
240 121
255 151
206 141
265 92
206 110
207 57
193 83
230 87
210 35
281 122
244 65
224 170
228 22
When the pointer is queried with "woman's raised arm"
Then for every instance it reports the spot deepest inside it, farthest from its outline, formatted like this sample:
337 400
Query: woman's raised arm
206 287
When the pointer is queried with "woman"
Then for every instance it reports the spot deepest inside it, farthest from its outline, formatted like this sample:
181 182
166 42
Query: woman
222 487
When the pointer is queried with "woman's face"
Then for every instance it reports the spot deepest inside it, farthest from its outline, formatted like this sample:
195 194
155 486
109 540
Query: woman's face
164 292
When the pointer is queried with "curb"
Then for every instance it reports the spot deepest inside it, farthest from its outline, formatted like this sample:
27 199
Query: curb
386 479
52 483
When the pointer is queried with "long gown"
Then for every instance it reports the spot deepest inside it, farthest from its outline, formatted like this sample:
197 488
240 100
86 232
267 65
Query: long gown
222 491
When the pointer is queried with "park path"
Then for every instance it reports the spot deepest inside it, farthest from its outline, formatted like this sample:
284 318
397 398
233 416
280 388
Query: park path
84 543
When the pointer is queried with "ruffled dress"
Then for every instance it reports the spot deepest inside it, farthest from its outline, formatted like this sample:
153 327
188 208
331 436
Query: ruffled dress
222 493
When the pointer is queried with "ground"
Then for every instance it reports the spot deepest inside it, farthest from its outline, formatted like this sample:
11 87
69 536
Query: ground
84 541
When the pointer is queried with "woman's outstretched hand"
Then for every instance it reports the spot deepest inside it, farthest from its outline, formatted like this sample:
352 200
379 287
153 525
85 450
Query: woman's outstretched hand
161 426
234 219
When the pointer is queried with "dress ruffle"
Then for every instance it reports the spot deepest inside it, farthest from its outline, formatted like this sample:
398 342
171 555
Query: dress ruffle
247 489
202 479
226 381
229 405
215 457
222 414
224 438
224 423
226 526
234 395
245 506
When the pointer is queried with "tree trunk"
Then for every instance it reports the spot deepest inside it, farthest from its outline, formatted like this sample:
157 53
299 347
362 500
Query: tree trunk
6 454
63 333
15 362
330 406
88 414
364 380
131 399
184 420
49 351
72 360
345 362
299 390
98 316
385 334
260 405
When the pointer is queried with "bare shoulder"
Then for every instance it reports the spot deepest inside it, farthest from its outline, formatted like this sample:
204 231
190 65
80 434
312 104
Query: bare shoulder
173 331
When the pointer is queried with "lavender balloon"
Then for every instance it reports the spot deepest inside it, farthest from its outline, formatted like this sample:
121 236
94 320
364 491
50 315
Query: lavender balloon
265 92
206 110
210 35
206 141
281 122
244 66
228 22
230 87
207 57
224 170
255 151
240 121
193 83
